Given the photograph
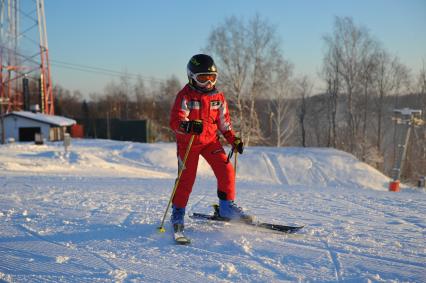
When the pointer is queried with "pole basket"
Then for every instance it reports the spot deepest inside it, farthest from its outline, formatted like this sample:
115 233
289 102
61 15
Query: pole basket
394 186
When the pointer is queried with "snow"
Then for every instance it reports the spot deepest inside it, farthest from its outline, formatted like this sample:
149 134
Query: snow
49 119
91 215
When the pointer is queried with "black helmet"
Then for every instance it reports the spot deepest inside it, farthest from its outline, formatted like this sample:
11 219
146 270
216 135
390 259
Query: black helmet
201 71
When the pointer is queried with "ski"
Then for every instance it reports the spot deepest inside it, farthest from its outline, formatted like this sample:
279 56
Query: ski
270 226
179 236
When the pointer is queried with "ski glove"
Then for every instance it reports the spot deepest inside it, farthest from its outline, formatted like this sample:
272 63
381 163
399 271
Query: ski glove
238 145
192 127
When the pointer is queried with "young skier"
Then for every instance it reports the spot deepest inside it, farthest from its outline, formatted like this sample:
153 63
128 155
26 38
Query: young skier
201 110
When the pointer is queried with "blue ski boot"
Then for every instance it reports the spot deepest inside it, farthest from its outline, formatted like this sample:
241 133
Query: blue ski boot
230 211
177 219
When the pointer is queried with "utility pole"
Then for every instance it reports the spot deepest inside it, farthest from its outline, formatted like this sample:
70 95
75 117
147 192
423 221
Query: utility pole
23 53
2 113
407 119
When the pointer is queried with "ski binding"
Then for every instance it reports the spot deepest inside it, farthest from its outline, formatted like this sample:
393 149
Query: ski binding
179 236
270 226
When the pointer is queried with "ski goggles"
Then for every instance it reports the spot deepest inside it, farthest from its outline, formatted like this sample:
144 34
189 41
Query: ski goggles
204 78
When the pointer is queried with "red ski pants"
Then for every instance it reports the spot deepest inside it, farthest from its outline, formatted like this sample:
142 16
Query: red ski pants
216 157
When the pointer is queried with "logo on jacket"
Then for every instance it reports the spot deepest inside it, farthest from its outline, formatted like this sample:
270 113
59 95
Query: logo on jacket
194 104
215 104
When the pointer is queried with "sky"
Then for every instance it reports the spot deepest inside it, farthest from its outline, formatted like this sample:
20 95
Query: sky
155 39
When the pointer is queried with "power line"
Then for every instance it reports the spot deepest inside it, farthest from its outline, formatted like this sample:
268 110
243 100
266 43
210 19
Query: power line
101 71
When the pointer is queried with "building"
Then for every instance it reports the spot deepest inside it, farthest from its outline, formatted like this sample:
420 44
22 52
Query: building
24 125
116 129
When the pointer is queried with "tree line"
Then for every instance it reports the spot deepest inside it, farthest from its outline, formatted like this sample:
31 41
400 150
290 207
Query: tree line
362 84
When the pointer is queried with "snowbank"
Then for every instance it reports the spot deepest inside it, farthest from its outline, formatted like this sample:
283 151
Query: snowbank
318 167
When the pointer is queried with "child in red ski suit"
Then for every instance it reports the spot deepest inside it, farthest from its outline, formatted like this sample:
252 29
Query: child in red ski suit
201 110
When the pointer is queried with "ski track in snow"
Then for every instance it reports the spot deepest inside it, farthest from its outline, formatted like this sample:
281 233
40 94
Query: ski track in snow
336 263
275 169
101 226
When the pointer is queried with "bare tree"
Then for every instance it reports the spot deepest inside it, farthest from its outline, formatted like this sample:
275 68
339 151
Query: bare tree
351 45
67 103
421 90
111 103
417 152
281 120
369 65
164 101
141 94
390 77
246 54
266 53
330 74
227 43
304 88
127 93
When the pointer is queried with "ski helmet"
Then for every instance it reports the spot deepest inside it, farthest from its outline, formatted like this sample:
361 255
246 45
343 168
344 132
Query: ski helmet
202 72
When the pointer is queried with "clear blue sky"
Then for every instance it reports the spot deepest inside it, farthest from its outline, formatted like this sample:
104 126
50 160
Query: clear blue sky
156 38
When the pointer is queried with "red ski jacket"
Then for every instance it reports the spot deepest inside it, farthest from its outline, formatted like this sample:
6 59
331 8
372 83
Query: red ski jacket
211 108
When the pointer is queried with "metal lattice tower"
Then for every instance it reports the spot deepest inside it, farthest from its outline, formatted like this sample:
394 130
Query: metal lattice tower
407 119
24 57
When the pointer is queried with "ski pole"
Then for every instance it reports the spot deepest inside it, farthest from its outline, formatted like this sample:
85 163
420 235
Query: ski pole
235 164
181 168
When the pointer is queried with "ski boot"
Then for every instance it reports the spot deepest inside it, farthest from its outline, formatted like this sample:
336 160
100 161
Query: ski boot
177 219
230 211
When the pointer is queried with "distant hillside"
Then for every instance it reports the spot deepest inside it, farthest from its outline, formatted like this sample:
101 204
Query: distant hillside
317 127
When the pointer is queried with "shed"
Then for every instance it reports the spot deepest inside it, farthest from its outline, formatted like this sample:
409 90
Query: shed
24 125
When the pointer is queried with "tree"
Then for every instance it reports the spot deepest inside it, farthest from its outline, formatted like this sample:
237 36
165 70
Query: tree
141 94
67 103
369 64
125 94
350 46
164 100
330 74
281 120
303 90
246 55
227 43
390 77
418 150
421 90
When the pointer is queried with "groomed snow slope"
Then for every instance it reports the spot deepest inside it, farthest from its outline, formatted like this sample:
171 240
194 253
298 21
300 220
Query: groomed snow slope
90 215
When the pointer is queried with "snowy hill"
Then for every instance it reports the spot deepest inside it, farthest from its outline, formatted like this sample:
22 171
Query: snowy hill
91 215
286 166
